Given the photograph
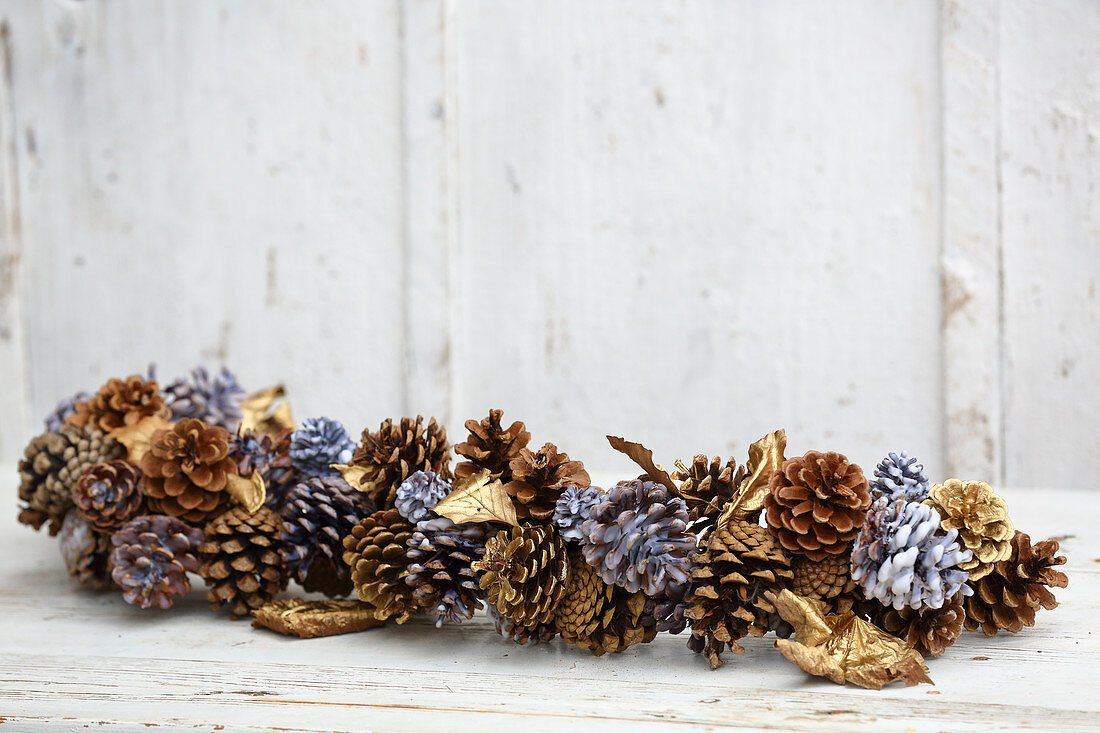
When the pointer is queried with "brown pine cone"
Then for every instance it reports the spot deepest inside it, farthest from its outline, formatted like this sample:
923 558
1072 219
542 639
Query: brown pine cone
929 631
395 452
108 495
151 559
491 446
980 516
741 562
826 580
375 552
524 572
119 403
816 504
240 557
1007 598
706 487
51 467
538 478
600 617
186 470
86 553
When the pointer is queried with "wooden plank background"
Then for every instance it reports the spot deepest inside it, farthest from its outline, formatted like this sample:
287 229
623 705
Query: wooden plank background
873 223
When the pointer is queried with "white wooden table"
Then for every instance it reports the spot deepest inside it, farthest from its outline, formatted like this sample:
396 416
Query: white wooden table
71 658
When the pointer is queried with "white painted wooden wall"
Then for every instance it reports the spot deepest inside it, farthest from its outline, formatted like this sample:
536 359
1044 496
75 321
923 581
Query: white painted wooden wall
874 223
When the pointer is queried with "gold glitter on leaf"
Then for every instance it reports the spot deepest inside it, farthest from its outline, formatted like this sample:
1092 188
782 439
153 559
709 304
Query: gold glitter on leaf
352 475
479 498
310 619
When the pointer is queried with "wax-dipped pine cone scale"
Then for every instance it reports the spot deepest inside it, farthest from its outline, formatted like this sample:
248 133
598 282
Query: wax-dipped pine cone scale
146 487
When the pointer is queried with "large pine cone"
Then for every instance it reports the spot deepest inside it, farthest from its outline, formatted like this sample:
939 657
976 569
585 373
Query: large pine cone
439 557
1007 598
980 516
539 478
268 453
109 494
816 504
241 563
51 467
930 631
151 559
491 446
186 470
317 515
119 403
86 552
727 601
374 549
395 452
706 487
597 616
524 572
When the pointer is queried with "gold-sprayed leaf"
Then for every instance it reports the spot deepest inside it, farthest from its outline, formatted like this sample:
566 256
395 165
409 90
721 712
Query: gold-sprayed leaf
843 647
765 458
352 474
138 438
266 411
309 619
644 458
248 491
479 498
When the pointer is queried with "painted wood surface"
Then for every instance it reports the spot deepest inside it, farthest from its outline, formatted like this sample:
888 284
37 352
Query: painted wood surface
690 222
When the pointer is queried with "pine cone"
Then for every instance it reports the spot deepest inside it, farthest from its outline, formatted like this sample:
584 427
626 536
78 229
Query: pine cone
65 408
597 616
522 635
152 557
524 571
573 507
930 631
215 401
268 453
741 562
320 443
707 487
899 559
491 447
375 552
828 580
418 494
186 469
86 553
1007 598
439 558
108 495
816 504
637 537
119 403
396 452
241 563
899 477
538 480
317 515
981 518
665 611
51 467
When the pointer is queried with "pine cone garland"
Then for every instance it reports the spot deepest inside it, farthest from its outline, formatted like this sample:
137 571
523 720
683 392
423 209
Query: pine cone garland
538 480
418 494
86 553
151 558
65 408
374 550
573 507
741 562
828 580
637 537
186 469
490 446
439 568
119 403
240 557
816 504
320 443
1007 598
929 631
108 495
706 487
524 572
981 518
597 616
317 515
215 401
395 452
900 477
522 635
268 453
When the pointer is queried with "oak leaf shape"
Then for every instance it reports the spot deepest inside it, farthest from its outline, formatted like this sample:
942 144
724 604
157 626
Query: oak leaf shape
478 498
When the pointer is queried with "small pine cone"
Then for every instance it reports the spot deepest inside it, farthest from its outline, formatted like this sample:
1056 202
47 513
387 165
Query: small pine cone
317 515
706 487
268 453
108 495
538 480
151 559
374 550
320 443
1007 598
65 408
522 635
186 470
240 557
741 562
86 552
573 507
395 452
491 446
215 401
119 403
637 537
900 477
51 467
597 616
816 503
418 494
826 580
439 558
930 631
981 518
524 572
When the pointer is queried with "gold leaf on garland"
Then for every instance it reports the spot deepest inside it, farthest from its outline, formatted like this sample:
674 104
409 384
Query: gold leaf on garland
644 458
260 412
310 619
352 474
479 498
765 458
843 647
248 491
138 438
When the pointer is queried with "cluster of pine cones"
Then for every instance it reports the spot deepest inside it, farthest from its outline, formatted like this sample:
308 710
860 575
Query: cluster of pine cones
138 483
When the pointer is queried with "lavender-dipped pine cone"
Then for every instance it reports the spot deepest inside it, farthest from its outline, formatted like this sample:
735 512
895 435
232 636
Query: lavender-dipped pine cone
573 507
319 443
152 557
900 477
215 401
900 560
64 409
419 493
